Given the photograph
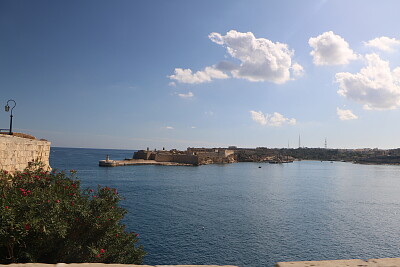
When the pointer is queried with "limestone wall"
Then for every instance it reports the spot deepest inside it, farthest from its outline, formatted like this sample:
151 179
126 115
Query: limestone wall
16 153
179 158
386 262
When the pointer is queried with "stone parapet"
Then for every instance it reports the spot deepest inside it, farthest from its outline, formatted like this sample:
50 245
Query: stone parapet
16 153
385 262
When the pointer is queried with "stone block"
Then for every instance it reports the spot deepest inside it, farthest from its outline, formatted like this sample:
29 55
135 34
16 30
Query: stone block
384 262
330 263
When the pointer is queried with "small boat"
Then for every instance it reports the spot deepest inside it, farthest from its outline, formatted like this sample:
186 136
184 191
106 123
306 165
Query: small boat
275 161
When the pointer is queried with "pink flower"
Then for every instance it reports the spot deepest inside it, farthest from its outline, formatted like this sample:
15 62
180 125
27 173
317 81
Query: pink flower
116 235
98 256
102 251
6 207
58 201
27 227
72 203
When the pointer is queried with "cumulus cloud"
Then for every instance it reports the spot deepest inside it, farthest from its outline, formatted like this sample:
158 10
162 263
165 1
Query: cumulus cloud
260 59
172 84
169 127
202 76
330 49
383 43
345 114
297 70
276 119
375 86
188 95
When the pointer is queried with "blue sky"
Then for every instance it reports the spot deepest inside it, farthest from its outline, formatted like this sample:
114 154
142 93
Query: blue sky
173 74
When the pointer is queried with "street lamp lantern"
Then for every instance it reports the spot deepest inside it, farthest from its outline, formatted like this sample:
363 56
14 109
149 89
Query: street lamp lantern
7 109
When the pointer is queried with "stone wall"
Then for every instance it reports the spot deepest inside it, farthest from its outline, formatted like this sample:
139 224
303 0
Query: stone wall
385 262
179 158
388 262
16 153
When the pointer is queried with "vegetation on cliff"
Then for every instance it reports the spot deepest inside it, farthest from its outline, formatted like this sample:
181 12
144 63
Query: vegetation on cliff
46 217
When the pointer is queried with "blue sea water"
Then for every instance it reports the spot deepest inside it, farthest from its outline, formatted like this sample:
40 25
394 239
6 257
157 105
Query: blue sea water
244 215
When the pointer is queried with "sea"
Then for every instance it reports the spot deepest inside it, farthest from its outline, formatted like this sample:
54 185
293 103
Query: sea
250 214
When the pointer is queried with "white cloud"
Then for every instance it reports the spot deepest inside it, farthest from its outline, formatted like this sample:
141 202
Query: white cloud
276 119
375 86
172 84
209 113
297 70
330 49
345 114
169 127
206 75
188 95
383 43
193 127
258 117
260 59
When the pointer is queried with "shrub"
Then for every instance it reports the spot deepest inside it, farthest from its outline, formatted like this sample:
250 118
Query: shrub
46 217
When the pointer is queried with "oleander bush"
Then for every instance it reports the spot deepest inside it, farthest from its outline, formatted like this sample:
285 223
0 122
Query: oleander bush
46 217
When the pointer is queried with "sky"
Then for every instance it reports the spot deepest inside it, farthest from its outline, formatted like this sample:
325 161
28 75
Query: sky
210 73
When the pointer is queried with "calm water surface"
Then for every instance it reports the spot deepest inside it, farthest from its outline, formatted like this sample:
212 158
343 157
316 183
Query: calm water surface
244 215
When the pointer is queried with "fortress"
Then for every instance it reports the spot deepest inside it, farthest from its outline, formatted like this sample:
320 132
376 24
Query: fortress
192 156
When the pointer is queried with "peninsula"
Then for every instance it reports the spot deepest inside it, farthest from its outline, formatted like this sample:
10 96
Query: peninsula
232 154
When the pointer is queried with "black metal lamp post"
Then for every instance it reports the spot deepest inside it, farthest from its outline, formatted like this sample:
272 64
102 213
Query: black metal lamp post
7 109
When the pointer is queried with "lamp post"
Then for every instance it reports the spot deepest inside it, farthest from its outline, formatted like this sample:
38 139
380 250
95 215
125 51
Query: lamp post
7 109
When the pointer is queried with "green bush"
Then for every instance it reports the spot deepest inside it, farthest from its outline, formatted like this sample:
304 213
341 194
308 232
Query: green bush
46 217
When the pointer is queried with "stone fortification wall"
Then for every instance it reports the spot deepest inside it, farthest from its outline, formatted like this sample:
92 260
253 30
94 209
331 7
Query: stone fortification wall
179 158
144 154
16 153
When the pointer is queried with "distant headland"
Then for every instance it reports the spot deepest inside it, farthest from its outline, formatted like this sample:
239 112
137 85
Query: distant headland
232 154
